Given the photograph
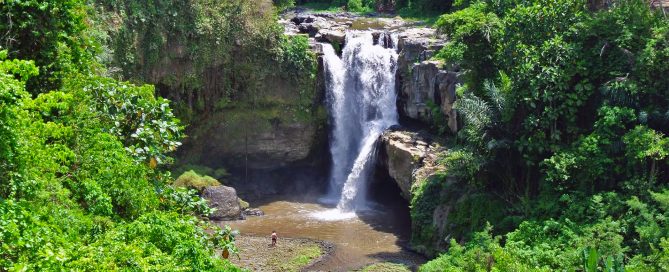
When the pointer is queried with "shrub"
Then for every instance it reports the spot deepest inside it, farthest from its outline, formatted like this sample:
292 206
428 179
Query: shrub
219 173
192 180
355 5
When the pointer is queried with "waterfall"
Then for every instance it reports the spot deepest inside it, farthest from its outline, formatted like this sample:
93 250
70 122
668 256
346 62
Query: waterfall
361 99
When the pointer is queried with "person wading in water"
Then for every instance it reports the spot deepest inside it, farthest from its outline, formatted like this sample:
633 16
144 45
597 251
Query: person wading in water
274 238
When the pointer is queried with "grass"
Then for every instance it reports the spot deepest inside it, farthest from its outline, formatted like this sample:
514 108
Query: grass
412 14
303 257
329 7
322 6
192 180
386 267
408 14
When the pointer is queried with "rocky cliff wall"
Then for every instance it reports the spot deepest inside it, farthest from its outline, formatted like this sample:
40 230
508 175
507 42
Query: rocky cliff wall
410 157
249 96
424 86
411 160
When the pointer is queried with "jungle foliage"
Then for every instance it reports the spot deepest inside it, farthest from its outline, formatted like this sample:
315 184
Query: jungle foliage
205 56
565 109
83 184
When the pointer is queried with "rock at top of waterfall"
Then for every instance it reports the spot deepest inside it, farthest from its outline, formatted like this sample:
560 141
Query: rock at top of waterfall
330 27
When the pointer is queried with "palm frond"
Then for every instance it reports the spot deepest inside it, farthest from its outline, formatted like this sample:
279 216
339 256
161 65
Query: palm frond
475 111
496 97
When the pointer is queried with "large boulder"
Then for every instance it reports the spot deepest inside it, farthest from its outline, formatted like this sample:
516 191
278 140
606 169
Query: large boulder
334 36
224 199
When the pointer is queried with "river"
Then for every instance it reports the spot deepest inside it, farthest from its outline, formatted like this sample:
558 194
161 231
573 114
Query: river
379 234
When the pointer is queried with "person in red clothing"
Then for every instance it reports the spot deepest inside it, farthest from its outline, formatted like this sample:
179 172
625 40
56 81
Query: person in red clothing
274 236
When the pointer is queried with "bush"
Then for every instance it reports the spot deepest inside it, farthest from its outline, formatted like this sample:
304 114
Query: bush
355 5
219 173
80 186
156 241
284 4
192 180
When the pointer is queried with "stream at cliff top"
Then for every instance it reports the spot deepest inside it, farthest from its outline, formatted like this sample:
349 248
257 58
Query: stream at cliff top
376 235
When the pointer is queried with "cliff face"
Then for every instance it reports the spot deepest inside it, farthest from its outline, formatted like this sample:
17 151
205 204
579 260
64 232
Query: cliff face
249 96
409 157
411 160
425 87
242 138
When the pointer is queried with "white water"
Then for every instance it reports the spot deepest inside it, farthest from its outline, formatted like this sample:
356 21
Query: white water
361 99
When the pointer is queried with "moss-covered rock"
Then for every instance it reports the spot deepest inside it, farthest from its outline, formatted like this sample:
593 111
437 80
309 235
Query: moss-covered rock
193 180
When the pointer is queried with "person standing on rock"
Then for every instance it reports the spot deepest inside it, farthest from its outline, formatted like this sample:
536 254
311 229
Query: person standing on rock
274 236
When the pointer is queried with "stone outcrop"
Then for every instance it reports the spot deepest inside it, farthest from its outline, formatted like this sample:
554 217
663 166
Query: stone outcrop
409 157
224 199
423 83
332 27
241 140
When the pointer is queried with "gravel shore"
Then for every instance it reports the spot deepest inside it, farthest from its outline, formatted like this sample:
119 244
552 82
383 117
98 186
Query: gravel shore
290 254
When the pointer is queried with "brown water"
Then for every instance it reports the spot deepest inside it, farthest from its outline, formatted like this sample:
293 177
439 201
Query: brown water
370 237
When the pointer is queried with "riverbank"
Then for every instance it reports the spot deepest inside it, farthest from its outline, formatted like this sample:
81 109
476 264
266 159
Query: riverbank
290 254
375 236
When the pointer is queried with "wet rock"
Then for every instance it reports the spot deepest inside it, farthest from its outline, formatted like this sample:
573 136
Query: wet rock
224 199
303 18
315 47
311 24
253 212
337 36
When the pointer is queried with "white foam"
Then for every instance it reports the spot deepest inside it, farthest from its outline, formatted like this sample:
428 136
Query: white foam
333 215
362 102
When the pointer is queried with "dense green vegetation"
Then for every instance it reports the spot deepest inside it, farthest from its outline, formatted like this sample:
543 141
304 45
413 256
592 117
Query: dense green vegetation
562 162
206 56
83 179
564 146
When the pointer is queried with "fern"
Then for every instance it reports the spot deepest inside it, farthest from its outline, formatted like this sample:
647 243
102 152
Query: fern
475 111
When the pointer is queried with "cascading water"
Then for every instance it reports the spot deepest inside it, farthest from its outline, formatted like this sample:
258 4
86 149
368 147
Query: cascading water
361 99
